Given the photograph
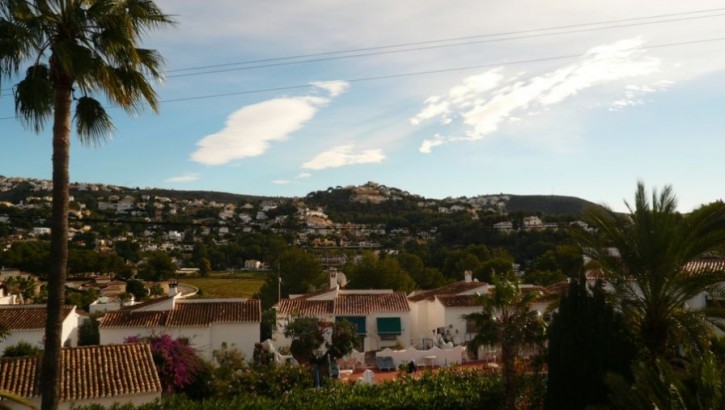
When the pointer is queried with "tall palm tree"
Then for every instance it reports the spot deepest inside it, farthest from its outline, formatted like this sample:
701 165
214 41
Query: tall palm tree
651 283
506 319
74 49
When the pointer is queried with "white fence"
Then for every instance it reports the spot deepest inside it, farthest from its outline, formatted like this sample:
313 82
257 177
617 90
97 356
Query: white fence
434 356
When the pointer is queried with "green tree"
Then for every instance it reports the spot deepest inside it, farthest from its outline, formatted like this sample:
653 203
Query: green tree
137 288
507 321
308 338
587 340
157 266
651 285
84 46
372 272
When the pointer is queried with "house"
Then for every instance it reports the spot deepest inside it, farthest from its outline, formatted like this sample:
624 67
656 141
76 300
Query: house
26 323
382 317
206 323
440 311
439 314
90 375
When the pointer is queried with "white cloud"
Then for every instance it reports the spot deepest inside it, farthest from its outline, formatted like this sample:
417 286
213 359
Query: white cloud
189 177
427 146
281 181
482 103
303 175
249 131
342 155
334 88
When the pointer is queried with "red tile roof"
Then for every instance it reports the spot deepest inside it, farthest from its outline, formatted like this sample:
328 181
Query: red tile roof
705 265
201 313
346 304
88 372
205 313
459 301
450 289
301 306
26 317
131 318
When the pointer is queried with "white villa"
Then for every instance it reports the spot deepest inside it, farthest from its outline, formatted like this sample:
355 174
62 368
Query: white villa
206 323
26 323
382 317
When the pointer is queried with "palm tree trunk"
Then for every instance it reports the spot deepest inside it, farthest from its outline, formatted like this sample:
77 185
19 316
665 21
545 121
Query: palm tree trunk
510 382
49 381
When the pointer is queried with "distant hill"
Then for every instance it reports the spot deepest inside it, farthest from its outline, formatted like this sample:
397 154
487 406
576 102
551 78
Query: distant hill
548 204
369 203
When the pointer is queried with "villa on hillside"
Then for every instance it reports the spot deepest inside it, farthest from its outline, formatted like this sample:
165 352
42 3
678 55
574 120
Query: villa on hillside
381 317
206 323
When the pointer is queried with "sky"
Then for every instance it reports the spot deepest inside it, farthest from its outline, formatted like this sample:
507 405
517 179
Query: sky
438 98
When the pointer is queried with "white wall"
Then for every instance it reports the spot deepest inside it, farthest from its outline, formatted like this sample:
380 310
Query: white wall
32 336
243 336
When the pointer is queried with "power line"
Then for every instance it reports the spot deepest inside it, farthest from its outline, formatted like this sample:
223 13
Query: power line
406 50
505 33
427 72
371 51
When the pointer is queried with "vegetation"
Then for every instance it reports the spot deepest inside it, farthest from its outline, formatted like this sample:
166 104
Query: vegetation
587 340
651 285
22 348
507 321
176 362
450 389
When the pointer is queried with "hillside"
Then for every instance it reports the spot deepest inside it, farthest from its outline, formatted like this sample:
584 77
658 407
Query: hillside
368 203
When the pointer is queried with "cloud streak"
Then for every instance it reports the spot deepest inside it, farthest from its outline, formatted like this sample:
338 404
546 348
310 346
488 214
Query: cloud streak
343 155
251 130
189 177
482 103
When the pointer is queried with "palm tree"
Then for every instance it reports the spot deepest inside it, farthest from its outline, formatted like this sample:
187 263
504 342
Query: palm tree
506 319
84 47
651 283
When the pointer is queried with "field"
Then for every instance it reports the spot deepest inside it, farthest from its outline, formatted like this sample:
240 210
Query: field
226 285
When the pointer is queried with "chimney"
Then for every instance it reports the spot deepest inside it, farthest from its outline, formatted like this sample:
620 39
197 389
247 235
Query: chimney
468 276
333 278
173 287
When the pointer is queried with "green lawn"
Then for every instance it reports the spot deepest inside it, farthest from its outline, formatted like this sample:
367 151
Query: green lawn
237 287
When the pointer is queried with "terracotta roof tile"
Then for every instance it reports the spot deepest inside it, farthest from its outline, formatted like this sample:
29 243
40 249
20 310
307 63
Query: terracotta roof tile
208 312
346 304
364 303
131 318
25 317
201 313
459 301
87 372
705 265
301 306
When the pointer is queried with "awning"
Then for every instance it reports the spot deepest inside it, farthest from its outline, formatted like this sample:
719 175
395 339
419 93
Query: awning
357 321
389 326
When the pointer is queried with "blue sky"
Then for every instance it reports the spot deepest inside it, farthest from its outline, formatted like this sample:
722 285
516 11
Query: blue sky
441 98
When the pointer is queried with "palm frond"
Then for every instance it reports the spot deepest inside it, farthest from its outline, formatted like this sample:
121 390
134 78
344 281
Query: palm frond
34 101
93 124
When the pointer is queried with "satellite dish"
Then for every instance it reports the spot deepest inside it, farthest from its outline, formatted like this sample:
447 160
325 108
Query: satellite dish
341 279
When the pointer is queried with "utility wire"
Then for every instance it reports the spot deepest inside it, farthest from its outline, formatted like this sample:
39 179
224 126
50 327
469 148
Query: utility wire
523 34
407 50
427 72
505 33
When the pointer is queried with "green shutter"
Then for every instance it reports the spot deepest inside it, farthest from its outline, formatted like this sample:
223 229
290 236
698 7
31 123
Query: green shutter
389 326
357 321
